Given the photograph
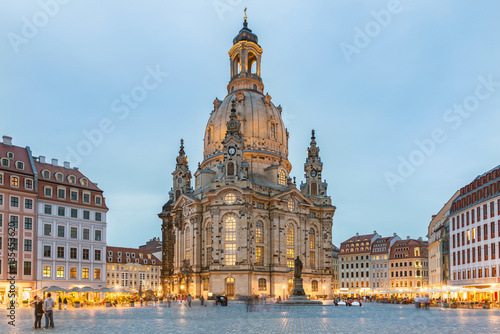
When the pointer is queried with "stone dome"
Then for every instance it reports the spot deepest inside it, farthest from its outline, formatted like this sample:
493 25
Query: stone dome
262 127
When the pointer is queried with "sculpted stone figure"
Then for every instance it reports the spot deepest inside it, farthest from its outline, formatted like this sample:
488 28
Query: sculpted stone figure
298 268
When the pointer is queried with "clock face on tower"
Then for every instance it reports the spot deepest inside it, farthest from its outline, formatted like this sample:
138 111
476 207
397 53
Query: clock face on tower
314 173
232 151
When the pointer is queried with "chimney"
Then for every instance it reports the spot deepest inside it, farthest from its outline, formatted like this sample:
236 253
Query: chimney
75 168
41 159
407 237
374 232
357 234
7 140
394 234
54 162
66 165
420 239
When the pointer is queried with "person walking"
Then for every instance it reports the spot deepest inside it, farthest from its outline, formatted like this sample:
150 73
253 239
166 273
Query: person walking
65 303
59 301
48 306
189 299
202 300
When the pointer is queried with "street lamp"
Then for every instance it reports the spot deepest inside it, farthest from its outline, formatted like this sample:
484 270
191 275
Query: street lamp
324 292
283 292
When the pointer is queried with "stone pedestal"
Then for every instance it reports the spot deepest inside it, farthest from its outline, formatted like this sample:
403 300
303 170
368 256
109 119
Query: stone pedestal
298 296
298 288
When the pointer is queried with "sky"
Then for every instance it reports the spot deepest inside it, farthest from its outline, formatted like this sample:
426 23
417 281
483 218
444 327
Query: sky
404 97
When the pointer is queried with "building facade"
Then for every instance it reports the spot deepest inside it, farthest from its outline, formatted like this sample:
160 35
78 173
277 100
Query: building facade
354 262
439 250
240 229
132 268
71 225
475 223
335 262
18 205
380 252
408 265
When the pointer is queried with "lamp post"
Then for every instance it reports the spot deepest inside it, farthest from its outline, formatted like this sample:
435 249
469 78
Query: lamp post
324 292
283 292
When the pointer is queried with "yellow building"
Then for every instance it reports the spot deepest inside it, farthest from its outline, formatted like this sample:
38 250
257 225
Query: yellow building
240 229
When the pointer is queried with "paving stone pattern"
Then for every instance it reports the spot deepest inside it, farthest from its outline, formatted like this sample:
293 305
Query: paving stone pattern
371 318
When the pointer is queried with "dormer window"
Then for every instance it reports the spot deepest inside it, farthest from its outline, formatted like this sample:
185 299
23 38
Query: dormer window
127 254
20 165
14 181
28 184
46 174
133 255
84 182
110 253
98 200
10 155
149 256
110 259
145 261
72 179
140 255
119 254
5 162
59 177
128 260
136 260
282 178
119 259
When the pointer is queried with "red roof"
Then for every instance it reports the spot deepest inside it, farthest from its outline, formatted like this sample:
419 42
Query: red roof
20 154
358 244
405 249
134 254
381 243
66 172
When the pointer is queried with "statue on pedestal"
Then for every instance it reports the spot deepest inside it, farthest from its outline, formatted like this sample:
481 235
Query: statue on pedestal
298 268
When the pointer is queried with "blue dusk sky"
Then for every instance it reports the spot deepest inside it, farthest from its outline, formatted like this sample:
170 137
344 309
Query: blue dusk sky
404 96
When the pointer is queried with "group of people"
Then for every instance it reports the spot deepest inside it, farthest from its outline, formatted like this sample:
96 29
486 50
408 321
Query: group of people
422 302
185 298
45 307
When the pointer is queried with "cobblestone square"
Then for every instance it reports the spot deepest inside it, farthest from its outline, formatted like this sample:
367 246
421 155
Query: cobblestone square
371 318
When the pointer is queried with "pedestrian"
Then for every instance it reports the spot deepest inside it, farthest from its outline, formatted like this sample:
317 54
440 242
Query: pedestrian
38 314
169 300
202 300
33 304
65 303
189 299
48 305
180 299
59 301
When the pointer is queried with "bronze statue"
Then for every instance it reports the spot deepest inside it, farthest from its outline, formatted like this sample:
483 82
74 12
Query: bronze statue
298 268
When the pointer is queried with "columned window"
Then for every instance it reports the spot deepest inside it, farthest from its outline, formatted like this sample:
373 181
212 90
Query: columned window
230 241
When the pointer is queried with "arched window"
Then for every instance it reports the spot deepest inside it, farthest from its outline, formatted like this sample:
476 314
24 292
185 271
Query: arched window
230 241
177 194
262 284
312 239
314 285
236 65
209 135
282 178
252 61
290 242
230 168
259 232
314 188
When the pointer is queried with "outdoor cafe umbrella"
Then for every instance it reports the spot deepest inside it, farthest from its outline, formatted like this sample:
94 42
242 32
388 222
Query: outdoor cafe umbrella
54 288
87 289
105 290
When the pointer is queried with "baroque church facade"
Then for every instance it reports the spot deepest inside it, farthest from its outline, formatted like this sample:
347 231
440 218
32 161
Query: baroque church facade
240 228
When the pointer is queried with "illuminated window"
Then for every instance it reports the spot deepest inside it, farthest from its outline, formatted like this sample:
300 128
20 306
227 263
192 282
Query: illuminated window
312 239
97 273
230 251
259 255
259 232
230 198
209 234
60 272
314 285
46 271
230 229
85 273
59 177
291 205
312 258
14 181
290 242
72 179
230 239
205 284
262 284
84 182
282 178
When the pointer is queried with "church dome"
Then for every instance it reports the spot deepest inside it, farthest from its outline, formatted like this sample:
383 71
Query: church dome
246 34
262 127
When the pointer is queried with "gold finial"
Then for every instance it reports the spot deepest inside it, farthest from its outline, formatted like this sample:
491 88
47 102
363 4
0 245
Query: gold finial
245 13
